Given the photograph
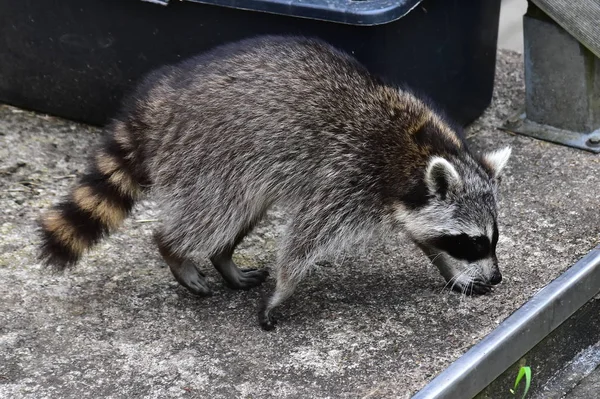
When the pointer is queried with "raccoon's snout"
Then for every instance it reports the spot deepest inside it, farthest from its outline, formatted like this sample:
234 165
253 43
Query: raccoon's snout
496 277
488 271
475 278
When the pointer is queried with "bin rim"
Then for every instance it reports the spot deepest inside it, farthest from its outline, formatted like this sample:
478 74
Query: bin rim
350 12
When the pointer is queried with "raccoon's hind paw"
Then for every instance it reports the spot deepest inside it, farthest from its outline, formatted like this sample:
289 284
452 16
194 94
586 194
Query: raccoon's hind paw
189 277
248 278
198 287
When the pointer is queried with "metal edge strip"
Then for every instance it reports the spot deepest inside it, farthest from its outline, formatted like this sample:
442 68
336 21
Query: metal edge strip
519 333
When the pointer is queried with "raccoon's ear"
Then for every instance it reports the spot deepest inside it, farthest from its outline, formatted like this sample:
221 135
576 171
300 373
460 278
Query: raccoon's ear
495 161
441 177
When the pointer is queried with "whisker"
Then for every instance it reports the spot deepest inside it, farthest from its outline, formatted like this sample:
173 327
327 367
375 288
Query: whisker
481 275
435 257
453 279
457 278
463 290
468 287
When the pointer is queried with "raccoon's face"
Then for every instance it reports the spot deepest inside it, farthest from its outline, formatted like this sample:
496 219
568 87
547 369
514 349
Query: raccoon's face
457 229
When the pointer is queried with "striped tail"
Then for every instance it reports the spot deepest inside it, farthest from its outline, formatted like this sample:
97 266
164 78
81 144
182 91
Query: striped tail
97 205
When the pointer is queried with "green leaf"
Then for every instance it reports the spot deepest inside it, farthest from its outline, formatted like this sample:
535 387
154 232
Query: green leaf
524 371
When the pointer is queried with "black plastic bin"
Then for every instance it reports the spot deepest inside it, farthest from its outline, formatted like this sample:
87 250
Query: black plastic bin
76 58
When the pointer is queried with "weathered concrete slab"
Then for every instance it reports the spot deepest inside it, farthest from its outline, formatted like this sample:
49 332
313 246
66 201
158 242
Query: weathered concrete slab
588 388
375 325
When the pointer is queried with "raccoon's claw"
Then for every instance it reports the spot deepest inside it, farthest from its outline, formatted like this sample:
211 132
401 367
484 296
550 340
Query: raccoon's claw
199 288
248 278
193 280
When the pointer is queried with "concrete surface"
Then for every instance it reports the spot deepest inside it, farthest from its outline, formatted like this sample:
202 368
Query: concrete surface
578 378
589 388
369 326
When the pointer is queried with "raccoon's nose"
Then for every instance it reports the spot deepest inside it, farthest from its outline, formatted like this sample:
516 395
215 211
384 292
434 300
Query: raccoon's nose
496 278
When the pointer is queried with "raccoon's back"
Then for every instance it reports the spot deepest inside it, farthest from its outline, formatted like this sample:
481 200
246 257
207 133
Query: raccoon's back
276 72
266 97
277 111
267 78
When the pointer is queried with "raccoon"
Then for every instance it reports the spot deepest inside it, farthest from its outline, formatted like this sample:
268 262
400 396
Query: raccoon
220 138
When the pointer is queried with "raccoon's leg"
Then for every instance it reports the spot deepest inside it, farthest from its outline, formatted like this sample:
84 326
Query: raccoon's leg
184 270
289 274
236 278
301 241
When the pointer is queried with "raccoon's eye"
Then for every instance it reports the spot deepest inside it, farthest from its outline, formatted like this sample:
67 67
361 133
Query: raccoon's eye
463 246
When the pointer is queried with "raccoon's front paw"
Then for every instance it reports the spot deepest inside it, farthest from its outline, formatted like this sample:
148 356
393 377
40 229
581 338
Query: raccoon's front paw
478 288
265 317
248 278
267 321
473 287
